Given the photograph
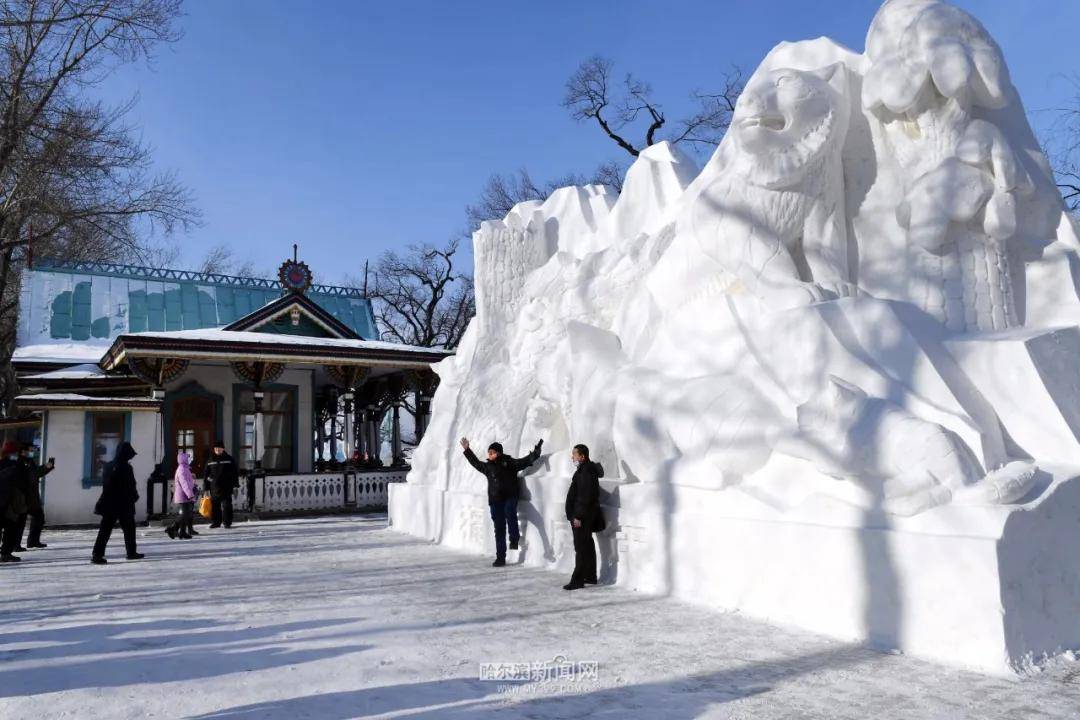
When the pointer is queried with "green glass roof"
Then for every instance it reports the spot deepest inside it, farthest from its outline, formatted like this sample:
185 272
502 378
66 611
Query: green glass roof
95 302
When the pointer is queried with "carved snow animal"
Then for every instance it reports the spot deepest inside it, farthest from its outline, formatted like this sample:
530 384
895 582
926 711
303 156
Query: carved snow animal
774 215
912 464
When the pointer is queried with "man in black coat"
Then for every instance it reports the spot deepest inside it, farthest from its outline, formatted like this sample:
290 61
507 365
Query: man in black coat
221 479
585 516
119 494
503 489
12 501
35 509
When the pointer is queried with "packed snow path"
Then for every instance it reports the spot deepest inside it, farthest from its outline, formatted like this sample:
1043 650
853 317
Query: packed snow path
342 618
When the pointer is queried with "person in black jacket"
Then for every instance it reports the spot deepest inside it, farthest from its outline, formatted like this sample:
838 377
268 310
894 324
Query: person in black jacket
12 501
503 489
117 502
35 509
585 516
221 480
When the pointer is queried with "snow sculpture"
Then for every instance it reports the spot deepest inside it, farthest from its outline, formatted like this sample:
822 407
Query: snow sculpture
842 357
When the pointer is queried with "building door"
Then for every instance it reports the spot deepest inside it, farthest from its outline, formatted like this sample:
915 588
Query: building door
194 424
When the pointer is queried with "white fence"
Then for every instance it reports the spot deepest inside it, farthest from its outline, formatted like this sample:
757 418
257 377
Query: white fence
326 491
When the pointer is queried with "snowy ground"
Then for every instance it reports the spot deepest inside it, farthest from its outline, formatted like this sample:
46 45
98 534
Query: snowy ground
341 618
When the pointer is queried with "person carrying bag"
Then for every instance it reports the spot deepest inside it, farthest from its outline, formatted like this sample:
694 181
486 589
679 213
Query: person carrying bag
184 497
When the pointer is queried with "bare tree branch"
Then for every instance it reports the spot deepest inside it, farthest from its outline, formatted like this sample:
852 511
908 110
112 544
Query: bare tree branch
587 97
589 94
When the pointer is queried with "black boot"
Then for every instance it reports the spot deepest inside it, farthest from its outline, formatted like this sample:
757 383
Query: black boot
499 562
99 561
135 556
572 585
9 558
37 545
192 532
171 532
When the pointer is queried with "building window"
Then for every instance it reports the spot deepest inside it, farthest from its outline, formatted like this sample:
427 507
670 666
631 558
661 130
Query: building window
276 433
105 432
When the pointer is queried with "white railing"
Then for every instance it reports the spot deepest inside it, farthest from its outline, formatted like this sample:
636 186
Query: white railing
325 491
285 493
372 488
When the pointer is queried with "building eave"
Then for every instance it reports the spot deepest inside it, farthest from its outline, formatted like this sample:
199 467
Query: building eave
133 346
30 403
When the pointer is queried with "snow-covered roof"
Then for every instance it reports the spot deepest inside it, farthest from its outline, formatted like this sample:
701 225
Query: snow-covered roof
246 346
86 371
219 335
77 401
73 353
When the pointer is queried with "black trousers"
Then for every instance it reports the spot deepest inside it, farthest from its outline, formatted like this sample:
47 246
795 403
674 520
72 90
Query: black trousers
20 529
12 534
184 520
584 557
503 516
37 523
221 510
127 524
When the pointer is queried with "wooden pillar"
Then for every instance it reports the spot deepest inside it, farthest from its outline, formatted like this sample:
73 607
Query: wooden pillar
395 444
373 435
332 402
423 414
348 429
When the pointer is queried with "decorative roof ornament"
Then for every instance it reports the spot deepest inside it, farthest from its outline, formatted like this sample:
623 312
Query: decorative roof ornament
295 276
159 372
257 373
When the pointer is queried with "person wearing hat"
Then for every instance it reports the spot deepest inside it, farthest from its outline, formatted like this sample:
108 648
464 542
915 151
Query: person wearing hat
220 481
12 501
504 488
117 503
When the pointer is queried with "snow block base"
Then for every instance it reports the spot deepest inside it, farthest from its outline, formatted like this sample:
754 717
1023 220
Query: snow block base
989 588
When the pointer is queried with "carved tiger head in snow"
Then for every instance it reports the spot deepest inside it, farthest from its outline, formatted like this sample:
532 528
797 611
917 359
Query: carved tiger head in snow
785 120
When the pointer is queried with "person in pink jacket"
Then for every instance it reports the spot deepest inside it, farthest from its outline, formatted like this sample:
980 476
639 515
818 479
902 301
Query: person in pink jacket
184 497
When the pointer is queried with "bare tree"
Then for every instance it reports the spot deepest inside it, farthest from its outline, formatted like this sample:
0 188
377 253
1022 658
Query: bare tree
221 260
592 94
421 298
706 127
1063 149
502 192
75 180
610 173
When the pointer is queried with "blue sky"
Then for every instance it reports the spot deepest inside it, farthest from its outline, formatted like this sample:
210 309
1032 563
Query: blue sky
353 127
